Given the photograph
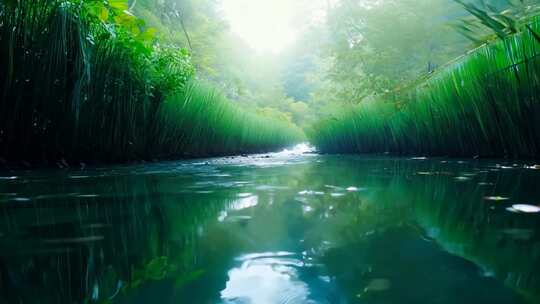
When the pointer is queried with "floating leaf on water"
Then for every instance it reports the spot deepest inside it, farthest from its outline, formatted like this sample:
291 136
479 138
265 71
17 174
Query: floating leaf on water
496 198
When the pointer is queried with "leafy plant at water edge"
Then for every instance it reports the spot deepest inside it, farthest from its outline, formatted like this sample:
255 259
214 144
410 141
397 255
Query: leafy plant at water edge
499 23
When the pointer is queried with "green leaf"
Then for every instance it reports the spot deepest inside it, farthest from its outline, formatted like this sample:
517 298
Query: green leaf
125 20
149 35
119 4
104 14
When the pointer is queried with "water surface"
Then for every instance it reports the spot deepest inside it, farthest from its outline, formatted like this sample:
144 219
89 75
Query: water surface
271 229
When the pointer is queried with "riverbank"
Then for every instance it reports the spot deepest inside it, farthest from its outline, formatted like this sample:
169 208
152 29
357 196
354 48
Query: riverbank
89 82
485 104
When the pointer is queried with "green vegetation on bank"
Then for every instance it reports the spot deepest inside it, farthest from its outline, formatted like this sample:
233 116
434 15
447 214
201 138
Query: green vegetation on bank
486 103
87 80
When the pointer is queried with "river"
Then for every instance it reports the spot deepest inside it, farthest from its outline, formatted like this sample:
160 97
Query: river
288 227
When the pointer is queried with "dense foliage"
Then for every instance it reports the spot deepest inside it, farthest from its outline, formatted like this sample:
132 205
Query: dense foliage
483 104
87 80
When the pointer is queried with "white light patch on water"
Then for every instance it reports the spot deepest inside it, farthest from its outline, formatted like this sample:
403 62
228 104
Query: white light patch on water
245 202
266 278
298 149
310 192
307 209
525 208
222 216
325 278
21 199
88 195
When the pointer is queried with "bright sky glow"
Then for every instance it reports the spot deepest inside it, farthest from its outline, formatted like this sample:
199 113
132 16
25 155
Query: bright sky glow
265 25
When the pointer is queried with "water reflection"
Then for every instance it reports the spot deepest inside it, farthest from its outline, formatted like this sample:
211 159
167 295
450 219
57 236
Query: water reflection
266 278
281 228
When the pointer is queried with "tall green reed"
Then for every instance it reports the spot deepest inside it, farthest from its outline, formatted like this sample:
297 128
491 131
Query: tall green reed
486 103
87 81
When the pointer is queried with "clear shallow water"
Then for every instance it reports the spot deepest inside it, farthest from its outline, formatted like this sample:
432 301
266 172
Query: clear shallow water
278 228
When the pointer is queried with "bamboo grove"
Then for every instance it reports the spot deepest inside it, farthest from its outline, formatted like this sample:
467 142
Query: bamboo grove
486 104
87 80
